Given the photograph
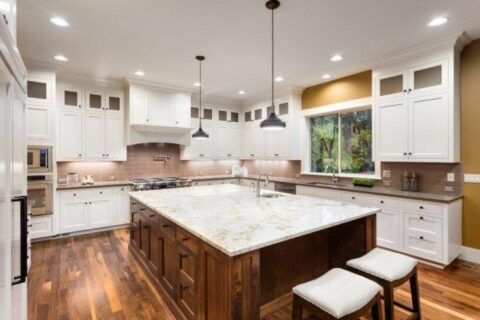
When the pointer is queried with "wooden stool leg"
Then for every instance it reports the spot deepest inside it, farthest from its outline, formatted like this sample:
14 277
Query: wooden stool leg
415 294
297 308
376 310
388 299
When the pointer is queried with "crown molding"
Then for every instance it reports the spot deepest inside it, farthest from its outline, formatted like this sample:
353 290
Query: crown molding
456 41
89 80
279 94
217 101
36 65
159 85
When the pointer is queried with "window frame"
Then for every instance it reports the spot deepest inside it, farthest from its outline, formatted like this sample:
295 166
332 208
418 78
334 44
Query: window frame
338 108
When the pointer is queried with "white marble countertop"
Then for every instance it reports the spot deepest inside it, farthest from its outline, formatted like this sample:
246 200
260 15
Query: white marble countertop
233 220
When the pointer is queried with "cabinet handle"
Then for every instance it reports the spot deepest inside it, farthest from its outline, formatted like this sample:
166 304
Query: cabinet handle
404 153
409 153
409 90
184 239
405 90
101 192
276 154
252 155
185 287
90 202
184 255
166 226
229 155
142 209
122 189
421 218
421 237
133 203
421 207
353 198
86 202
79 105
152 216
146 226
74 194
381 201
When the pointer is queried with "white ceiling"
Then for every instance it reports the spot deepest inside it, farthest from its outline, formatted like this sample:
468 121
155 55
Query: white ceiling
113 38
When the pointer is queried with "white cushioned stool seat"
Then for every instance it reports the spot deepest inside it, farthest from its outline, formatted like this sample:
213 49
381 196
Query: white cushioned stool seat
338 292
384 264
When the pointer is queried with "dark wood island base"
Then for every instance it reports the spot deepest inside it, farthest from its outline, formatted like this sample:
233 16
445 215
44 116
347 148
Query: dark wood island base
200 282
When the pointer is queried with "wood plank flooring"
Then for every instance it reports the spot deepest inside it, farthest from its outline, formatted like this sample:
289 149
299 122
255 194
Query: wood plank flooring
94 277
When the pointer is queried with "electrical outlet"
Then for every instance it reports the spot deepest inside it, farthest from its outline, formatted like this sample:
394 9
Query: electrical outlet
387 174
472 178
451 177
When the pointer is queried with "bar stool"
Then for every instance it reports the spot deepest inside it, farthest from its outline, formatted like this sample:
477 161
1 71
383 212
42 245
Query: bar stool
338 294
390 270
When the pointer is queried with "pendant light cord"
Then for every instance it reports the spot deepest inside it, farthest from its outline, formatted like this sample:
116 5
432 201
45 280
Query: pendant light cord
273 62
200 98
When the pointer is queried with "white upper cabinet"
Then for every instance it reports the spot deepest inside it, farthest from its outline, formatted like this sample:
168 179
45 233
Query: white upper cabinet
417 107
8 9
91 123
70 136
157 110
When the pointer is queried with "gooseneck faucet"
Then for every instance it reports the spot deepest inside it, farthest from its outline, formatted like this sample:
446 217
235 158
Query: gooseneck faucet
334 179
257 189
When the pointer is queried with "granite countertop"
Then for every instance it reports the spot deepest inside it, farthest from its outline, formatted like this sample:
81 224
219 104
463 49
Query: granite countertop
233 220
382 191
97 184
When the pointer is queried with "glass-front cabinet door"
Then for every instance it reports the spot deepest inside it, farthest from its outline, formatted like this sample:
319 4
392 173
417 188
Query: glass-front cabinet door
391 85
95 100
429 77
71 98
114 101
39 91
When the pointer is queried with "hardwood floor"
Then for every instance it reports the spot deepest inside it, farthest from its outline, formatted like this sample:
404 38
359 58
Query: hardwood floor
94 277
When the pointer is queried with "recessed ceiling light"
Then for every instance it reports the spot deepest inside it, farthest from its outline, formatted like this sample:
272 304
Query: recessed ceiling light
59 22
241 92
197 84
60 57
326 76
336 58
279 79
139 73
438 22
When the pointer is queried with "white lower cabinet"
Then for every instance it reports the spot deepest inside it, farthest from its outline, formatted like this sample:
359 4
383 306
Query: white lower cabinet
424 229
41 227
85 209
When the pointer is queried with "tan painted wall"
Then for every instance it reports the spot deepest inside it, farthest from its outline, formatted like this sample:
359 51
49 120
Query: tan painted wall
356 86
470 131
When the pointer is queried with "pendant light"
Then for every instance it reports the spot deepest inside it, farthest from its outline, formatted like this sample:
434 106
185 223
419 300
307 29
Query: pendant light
200 134
273 122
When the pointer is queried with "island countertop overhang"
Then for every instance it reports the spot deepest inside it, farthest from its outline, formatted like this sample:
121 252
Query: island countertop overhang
231 219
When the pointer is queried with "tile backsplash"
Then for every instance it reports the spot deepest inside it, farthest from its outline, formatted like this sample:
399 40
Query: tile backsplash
140 164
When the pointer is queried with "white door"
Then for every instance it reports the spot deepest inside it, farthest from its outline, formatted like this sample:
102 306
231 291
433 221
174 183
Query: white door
94 143
209 146
428 78
139 109
123 205
100 213
182 112
73 215
389 229
70 135
249 141
429 131
114 147
39 122
392 135
161 111
19 142
234 134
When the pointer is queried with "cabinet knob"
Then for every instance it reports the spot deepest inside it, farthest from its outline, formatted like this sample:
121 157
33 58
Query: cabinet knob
405 90
381 201
404 153
90 202
421 218
421 207
101 192
86 202
421 237
79 105
252 155
409 90
276 154
353 198
409 153
74 194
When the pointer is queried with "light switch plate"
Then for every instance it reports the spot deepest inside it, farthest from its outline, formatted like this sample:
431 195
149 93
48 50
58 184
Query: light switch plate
472 178
387 174
451 177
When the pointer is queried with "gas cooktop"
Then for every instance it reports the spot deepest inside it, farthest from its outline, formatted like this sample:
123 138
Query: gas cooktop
160 183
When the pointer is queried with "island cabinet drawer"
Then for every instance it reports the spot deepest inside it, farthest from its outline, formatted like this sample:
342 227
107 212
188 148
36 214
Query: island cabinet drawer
187 240
421 223
167 228
355 198
423 245
423 207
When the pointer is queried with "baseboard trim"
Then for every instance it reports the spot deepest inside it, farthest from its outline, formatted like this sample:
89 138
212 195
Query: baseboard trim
470 254
79 233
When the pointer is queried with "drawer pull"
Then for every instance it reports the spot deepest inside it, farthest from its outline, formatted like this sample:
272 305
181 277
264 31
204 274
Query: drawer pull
152 216
74 194
133 203
166 226
185 287
353 198
101 192
421 237
421 207
381 201
184 255
142 209
421 218
184 239
86 202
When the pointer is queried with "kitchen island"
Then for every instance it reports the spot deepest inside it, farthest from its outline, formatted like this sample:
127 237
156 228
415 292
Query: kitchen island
218 252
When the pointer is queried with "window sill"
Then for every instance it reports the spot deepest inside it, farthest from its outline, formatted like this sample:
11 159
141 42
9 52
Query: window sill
342 175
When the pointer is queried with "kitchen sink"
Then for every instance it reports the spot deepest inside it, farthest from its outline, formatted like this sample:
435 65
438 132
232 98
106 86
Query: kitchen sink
272 195
326 184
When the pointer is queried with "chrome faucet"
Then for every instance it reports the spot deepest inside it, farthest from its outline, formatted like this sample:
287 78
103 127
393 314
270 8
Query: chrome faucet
257 189
334 179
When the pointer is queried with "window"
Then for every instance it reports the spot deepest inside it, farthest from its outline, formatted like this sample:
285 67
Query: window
344 141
